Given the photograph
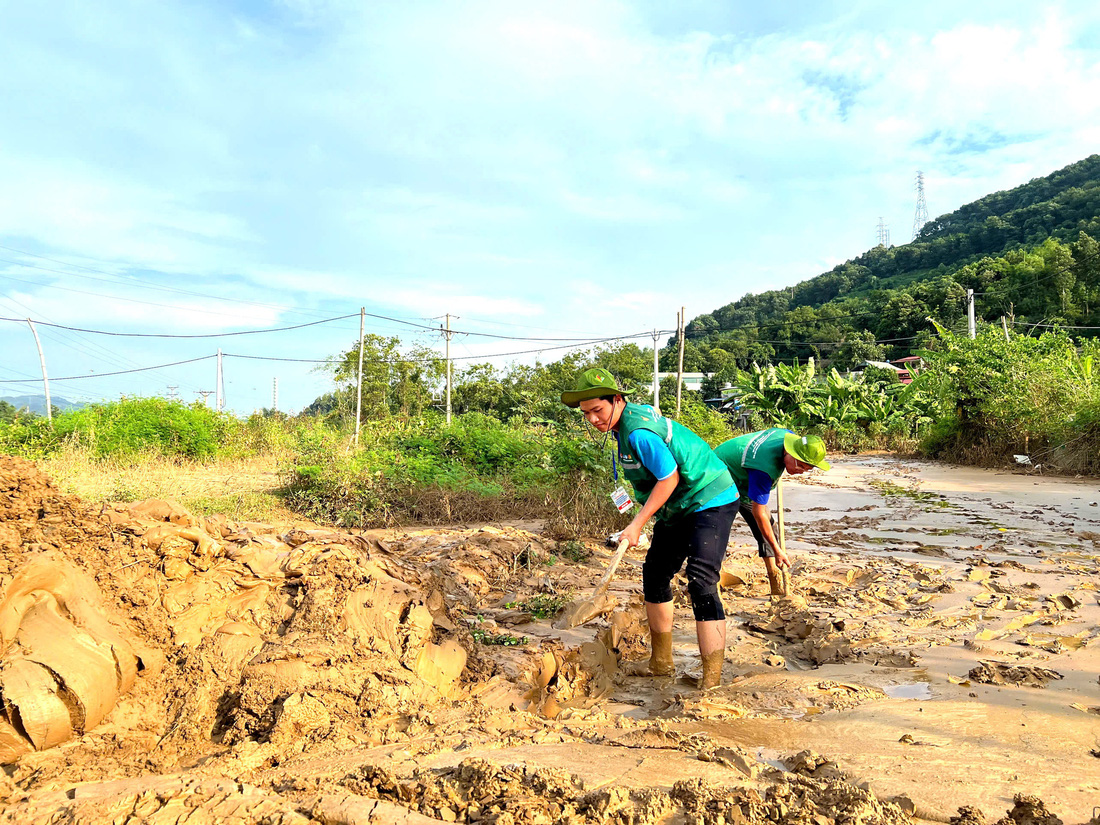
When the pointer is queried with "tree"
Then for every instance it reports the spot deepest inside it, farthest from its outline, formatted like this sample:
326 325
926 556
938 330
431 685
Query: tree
394 383
479 388
855 350
8 412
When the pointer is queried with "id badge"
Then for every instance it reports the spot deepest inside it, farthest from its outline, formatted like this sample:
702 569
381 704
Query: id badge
621 499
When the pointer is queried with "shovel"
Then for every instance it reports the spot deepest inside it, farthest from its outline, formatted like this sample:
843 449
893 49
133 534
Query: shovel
786 571
584 610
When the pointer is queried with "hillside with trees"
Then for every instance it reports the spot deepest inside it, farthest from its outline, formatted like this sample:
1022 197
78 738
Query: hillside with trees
1029 254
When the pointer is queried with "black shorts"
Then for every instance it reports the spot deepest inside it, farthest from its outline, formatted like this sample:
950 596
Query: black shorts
763 549
700 538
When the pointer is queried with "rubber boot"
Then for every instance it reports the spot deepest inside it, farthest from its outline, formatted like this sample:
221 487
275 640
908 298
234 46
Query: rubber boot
712 669
660 657
775 577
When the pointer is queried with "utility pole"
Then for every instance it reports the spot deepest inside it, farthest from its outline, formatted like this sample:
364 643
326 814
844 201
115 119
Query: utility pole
45 378
1004 326
920 217
219 398
359 375
204 394
656 377
883 234
971 325
680 369
275 394
447 333
172 394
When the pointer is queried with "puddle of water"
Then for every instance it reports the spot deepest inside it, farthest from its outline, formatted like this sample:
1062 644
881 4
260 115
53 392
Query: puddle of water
913 690
770 757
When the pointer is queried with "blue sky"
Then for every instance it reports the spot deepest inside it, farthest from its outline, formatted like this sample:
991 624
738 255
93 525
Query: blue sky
558 169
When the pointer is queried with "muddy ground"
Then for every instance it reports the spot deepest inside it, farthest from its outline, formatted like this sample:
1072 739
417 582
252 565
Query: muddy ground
937 660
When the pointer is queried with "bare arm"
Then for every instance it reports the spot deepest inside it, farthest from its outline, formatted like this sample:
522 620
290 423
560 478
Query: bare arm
763 520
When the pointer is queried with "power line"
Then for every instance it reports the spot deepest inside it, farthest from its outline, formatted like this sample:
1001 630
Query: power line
696 333
121 372
178 291
164 335
1052 326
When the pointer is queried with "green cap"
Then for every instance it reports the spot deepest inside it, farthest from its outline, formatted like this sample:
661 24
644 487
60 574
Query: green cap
807 448
593 383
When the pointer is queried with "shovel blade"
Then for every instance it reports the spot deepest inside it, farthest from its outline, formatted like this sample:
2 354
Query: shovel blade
585 610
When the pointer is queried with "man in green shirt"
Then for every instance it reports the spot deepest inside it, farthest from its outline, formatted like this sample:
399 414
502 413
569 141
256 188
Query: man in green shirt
756 461
677 479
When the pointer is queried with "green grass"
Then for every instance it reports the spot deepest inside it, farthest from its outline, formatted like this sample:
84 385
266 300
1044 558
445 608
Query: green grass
542 606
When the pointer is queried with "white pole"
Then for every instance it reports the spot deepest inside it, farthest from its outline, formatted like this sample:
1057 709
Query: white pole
680 370
45 378
359 375
656 379
970 313
220 397
275 394
448 353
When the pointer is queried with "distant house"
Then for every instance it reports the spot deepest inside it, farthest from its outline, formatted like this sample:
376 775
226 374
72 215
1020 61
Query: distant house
902 372
906 364
692 380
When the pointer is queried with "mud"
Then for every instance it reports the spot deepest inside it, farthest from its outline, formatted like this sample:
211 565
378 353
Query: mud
937 660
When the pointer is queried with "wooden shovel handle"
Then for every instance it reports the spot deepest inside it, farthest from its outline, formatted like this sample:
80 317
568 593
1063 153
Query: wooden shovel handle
779 506
786 571
612 566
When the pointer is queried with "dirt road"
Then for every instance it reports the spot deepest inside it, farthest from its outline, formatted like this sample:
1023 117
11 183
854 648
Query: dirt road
940 651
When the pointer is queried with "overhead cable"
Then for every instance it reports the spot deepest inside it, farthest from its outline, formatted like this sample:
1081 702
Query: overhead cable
121 372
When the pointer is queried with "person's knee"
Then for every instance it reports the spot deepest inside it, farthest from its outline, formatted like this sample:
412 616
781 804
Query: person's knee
656 585
705 602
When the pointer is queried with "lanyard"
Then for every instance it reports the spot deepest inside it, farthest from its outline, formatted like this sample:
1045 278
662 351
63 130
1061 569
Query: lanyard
614 452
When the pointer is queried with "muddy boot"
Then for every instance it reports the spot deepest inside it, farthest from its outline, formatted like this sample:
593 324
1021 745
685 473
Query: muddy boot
712 669
775 578
660 658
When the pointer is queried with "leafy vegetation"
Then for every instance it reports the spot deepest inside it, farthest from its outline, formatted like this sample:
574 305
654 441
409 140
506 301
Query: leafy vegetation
853 413
542 605
475 470
484 637
1002 396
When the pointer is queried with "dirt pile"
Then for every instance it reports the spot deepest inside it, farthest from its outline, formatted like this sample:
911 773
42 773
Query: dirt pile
477 791
266 640
67 655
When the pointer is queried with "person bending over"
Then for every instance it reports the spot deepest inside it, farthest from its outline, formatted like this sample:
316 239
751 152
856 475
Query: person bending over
756 461
678 480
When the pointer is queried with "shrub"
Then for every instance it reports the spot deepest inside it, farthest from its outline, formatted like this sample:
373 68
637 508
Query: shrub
476 470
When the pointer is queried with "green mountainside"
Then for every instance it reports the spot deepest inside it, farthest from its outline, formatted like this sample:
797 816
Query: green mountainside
1029 253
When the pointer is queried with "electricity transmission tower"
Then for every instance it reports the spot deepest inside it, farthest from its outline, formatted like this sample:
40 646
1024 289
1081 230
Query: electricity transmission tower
883 234
920 218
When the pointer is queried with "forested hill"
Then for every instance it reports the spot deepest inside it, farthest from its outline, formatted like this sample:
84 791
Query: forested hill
1029 253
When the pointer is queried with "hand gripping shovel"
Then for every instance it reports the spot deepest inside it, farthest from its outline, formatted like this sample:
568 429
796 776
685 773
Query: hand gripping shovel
600 602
